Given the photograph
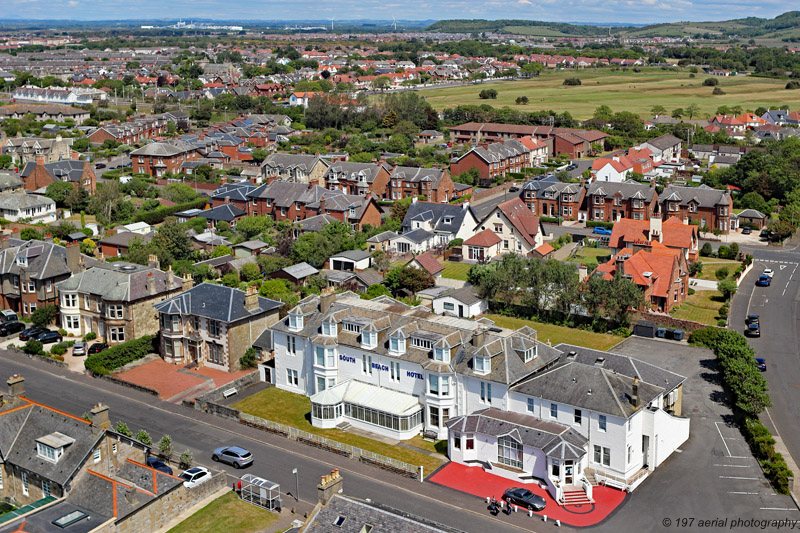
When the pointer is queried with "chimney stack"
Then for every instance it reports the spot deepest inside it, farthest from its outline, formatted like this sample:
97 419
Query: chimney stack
100 418
186 282
39 161
635 393
16 386
329 486
478 338
326 299
152 261
74 257
251 298
151 284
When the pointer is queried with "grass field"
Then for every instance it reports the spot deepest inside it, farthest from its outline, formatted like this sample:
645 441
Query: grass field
711 266
702 307
558 334
455 270
295 410
622 91
227 513
588 255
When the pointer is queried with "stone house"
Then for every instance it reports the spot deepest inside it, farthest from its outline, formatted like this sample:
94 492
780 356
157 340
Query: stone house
213 325
115 300
357 178
609 202
700 205
28 149
299 168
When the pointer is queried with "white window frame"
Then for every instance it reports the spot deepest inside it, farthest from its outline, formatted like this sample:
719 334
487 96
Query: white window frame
25 488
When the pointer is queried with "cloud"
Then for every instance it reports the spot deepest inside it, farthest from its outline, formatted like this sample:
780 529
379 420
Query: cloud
525 2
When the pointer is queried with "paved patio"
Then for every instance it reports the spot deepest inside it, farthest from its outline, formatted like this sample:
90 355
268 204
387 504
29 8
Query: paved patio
175 383
474 480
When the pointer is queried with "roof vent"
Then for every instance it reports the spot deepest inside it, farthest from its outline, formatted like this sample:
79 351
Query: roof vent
647 274
589 392
600 361
572 355
127 268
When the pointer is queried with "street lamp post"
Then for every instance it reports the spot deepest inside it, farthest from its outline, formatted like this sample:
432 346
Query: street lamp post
296 485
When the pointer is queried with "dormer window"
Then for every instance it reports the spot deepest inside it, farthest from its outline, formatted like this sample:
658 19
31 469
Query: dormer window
530 353
448 220
425 344
369 339
482 364
351 327
329 329
22 261
295 322
441 354
48 452
51 447
397 345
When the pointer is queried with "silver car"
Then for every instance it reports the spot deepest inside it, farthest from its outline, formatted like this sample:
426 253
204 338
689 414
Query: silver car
233 455
79 348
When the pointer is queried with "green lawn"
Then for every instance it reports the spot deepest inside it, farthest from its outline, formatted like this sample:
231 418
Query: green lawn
559 334
587 255
455 270
295 410
711 266
622 91
702 307
227 513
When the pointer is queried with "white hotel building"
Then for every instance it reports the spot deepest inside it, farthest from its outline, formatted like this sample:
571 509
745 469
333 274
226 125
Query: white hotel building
564 416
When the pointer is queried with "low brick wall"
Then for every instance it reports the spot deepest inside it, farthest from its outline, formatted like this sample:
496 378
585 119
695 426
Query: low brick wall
216 394
673 323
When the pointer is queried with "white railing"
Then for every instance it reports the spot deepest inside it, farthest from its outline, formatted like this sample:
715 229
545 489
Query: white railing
334 446
627 484
587 487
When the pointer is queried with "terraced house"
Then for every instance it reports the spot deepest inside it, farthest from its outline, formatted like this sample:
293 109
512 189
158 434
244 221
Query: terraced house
159 158
213 325
556 199
297 168
700 205
433 183
115 300
398 371
493 160
25 149
609 202
357 178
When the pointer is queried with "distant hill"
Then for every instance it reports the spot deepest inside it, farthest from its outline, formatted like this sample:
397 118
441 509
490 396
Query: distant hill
782 26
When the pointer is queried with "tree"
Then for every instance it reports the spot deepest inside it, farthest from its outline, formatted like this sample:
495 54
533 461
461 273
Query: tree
532 69
389 119
259 155
522 100
381 83
58 191
658 110
221 250
373 291
180 193
408 278
248 360
250 272
231 279
692 110
380 261
171 243
122 429
44 315
33 347
106 196
727 287
186 459
678 113
165 446
753 200
488 94
622 296
710 82
780 229
144 437
88 247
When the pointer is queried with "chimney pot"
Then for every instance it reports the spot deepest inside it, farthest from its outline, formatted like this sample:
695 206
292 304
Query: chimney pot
16 386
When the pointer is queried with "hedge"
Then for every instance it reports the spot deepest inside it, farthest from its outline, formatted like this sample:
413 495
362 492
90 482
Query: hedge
549 220
157 216
121 354
599 224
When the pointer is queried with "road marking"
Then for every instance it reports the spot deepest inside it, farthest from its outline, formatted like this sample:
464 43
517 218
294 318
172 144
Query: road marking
782 267
267 444
777 509
737 466
723 439
735 477
753 493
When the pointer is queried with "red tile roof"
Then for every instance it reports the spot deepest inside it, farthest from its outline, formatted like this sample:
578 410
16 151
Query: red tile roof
484 239
525 222
429 263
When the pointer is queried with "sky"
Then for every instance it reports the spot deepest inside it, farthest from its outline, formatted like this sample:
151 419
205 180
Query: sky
630 11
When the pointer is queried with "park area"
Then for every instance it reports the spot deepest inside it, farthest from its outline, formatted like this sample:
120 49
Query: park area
622 91
295 410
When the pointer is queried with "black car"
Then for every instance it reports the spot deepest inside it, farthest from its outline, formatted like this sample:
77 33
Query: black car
751 319
746 231
49 337
97 348
753 330
11 327
573 166
159 465
524 498
31 333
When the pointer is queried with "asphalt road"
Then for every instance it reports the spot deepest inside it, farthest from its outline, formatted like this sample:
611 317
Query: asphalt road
275 457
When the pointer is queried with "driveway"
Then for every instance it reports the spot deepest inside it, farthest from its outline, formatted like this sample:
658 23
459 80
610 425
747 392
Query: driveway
714 475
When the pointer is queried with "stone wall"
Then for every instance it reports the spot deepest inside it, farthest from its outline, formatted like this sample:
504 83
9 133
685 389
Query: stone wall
216 394
151 516
673 323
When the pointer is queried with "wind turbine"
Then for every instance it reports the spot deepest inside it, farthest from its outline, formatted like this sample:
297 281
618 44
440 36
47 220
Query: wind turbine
332 18
394 23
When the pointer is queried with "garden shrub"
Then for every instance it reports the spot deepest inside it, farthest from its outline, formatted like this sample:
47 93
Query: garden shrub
121 354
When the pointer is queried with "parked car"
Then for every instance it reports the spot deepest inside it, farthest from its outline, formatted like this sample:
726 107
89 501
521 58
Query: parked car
751 319
157 464
573 166
31 333
524 498
195 476
79 348
100 165
97 348
233 455
7 315
746 231
769 272
601 231
49 337
763 281
513 189
761 364
7 328
753 330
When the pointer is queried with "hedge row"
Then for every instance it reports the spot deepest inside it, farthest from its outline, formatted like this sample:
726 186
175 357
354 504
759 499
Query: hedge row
549 220
121 354
749 389
157 216
599 224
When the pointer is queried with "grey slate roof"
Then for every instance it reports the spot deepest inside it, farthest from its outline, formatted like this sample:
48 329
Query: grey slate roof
418 235
226 212
353 255
357 514
555 440
279 162
704 196
164 149
627 190
664 141
435 214
124 238
414 174
19 200
121 282
751 213
45 260
352 171
9 181
66 170
465 295
301 270
317 222
216 302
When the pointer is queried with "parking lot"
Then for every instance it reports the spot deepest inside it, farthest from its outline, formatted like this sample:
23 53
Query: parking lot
714 475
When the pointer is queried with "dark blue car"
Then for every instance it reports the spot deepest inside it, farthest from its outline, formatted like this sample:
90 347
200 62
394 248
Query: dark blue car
761 364
763 281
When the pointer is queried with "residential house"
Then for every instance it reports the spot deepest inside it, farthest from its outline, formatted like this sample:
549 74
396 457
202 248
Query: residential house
556 199
227 213
639 234
28 149
661 273
664 148
519 230
302 98
779 117
36 176
609 202
115 300
356 211
118 244
434 184
701 205
446 221
30 270
213 325
493 161
499 396
298 168
356 280
59 113
10 182
357 178
159 158
751 217
22 207
233 193
427 261
463 303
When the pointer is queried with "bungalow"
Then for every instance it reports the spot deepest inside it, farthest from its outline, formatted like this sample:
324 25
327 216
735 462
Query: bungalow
22 207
